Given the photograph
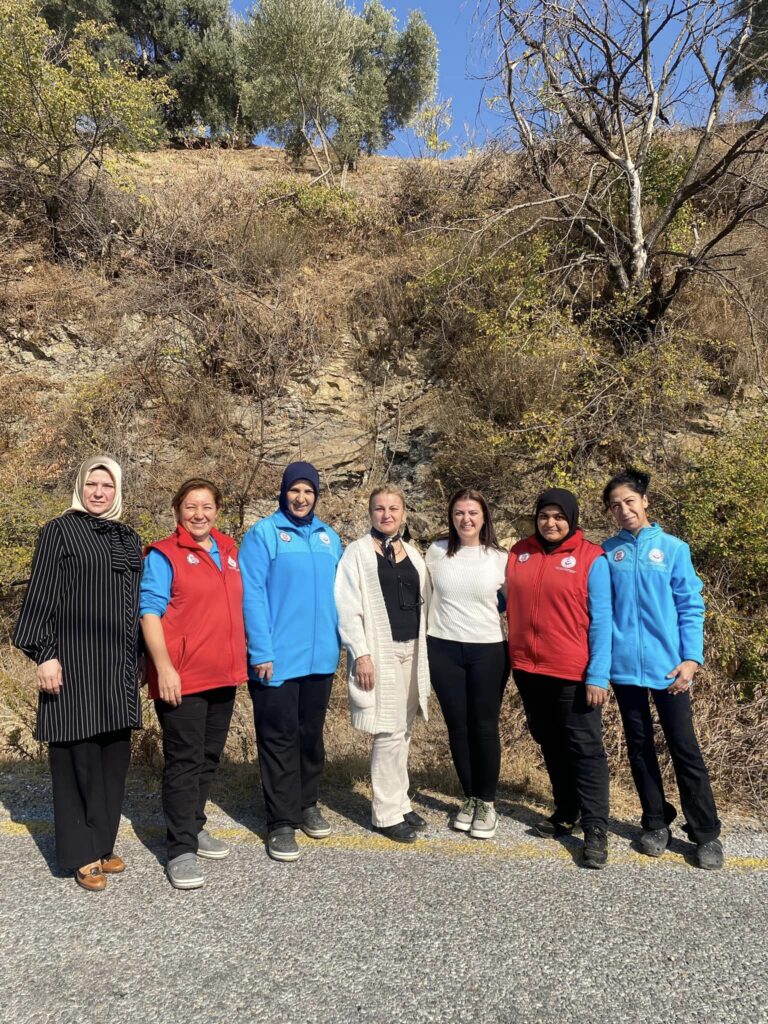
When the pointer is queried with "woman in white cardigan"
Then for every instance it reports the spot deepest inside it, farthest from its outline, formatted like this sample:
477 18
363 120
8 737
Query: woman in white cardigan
381 597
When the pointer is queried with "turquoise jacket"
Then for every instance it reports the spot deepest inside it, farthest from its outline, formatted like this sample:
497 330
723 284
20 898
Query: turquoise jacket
658 610
288 575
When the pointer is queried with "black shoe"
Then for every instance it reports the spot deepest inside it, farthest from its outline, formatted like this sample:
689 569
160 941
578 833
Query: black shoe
415 821
710 855
551 829
314 824
399 833
282 845
595 852
653 842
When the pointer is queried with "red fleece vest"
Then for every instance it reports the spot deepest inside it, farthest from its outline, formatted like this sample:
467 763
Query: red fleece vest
547 607
203 624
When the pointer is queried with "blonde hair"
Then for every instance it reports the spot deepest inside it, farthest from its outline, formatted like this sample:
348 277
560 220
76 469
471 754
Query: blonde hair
386 489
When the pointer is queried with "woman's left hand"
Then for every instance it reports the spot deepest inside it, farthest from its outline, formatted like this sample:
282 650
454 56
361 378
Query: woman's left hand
596 696
683 676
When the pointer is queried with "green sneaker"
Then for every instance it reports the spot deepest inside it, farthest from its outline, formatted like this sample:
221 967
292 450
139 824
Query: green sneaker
485 821
462 820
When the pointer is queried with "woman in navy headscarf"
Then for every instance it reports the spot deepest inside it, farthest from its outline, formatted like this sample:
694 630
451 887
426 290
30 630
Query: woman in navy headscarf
288 565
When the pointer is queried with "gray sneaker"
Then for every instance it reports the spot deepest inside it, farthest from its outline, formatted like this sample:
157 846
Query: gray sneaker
314 824
462 820
282 845
710 855
485 821
653 842
184 872
210 848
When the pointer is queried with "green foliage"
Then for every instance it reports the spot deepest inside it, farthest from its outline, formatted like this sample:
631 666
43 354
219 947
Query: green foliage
323 204
724 506
317 73
752 68
24 509
61 105
724 515
430 125
188 46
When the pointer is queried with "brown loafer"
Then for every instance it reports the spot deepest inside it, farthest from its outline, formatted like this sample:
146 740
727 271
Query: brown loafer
112 865
94 879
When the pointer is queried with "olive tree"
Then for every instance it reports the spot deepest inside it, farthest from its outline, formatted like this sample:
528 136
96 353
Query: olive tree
319 76
62 107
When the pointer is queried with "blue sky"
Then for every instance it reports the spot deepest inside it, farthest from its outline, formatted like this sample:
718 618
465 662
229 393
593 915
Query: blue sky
461 62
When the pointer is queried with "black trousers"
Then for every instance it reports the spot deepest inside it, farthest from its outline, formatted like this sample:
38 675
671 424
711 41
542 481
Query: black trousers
88 779
570 734
674 711
194 734
290 719
469 681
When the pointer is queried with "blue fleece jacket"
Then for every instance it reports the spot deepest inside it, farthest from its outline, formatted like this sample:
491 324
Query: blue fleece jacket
288 575
658 610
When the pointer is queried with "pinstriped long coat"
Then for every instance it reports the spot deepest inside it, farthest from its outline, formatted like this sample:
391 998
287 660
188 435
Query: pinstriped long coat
82 607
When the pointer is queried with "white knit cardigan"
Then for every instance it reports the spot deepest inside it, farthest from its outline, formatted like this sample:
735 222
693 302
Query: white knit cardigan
364 627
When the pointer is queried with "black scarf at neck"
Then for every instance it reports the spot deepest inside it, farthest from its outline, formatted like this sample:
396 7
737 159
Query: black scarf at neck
387 544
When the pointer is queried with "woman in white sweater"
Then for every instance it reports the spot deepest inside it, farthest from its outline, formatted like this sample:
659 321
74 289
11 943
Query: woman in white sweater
381 595
468 657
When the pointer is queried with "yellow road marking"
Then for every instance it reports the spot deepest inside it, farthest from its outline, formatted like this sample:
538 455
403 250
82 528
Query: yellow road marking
456 848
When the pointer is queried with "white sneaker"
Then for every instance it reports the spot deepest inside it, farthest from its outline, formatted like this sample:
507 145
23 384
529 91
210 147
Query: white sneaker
485 821
462 820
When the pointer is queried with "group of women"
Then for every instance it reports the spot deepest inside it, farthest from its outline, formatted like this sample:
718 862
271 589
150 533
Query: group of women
274 614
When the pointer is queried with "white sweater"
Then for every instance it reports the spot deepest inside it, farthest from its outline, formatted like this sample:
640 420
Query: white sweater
464 602
364 627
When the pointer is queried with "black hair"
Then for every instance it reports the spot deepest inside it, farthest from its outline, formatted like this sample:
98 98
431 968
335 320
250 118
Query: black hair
634 478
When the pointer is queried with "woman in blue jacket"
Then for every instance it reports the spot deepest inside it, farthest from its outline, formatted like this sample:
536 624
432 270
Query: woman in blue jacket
288 566
658 645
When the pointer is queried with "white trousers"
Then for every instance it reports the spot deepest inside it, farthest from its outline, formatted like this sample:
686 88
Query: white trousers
389 757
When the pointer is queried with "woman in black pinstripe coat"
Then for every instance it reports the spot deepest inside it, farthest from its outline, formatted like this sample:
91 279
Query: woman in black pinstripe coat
79 623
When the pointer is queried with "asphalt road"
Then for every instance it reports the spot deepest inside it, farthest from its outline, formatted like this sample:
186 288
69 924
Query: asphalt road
361 930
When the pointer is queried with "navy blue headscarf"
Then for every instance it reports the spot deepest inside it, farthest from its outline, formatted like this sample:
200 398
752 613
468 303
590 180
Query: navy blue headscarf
293 472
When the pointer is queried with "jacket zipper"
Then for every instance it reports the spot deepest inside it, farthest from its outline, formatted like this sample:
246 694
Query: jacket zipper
536 595
220 573
637 610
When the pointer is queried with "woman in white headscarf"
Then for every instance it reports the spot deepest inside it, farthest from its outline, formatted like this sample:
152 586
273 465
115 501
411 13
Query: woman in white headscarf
79 623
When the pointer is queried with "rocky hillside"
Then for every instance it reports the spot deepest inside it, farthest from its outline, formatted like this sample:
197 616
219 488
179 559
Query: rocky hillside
222 316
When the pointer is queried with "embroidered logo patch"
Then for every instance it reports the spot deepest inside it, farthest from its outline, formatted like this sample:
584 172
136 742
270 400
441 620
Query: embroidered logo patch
619 555
231 562
568 562
193 559
656 555
285 537
524 557
325 538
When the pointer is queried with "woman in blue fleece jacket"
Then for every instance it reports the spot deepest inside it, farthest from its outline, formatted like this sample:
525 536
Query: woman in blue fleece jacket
658 645
288 567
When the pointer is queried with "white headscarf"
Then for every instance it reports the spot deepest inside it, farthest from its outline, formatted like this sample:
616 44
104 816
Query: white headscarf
98 462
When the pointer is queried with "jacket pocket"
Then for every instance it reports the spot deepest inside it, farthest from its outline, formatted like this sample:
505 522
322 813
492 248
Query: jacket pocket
360 699
176 652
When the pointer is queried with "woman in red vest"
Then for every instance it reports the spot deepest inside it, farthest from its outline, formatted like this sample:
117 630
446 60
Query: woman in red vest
192 620
559 614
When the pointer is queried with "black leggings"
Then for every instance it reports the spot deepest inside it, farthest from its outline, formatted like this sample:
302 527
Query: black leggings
469 681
